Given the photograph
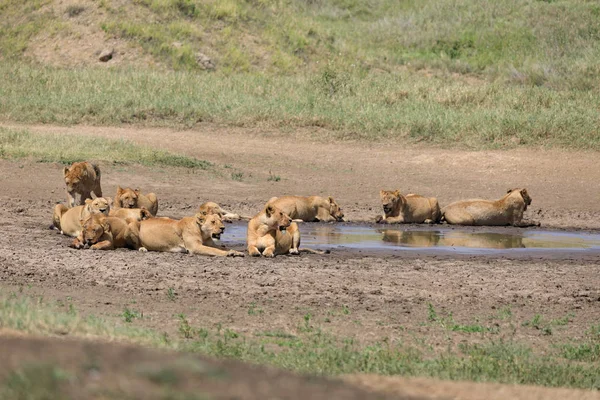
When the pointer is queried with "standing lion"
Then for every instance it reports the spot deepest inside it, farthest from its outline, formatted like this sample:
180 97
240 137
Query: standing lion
82 178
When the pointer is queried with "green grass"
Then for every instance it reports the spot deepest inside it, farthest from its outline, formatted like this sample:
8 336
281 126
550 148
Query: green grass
443 110
63 148
465 73
533 42
315 351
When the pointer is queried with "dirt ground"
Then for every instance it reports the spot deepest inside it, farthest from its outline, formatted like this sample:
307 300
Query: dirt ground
386 295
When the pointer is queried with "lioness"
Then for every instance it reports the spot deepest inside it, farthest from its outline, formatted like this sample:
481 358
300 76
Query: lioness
105 233
190 234
409 209
138 214
272 232
213 208
506 211
67 220
82 178
133 198
309 209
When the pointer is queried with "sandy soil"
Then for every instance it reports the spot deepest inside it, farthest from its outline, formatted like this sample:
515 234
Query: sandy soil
386 295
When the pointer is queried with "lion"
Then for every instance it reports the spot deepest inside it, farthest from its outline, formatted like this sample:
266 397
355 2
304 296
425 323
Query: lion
213 208
138 214
100 232
506 211
133 198
67 220
309 209
409 209
191 234
272 232
82 178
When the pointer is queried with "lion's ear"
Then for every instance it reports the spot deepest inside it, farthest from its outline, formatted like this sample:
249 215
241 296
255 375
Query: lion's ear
108 200
200 217
397 193
269 210
381 193
509 190
82 221
145 213
88 202
137 191
331 201
65 171
119 190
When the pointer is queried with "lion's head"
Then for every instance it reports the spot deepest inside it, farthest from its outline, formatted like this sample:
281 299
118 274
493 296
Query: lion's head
211 208
75 176
210 225
524 195
334 210
127 198
99 205
94 228
276 218
391 200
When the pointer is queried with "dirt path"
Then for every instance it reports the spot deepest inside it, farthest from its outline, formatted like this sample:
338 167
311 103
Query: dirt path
385 296
563 184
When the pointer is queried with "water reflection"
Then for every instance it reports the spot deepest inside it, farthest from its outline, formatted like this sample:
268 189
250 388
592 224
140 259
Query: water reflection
411 238
357 236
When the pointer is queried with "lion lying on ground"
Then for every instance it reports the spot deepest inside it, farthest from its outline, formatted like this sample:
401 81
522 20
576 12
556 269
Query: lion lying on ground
309 209
133 198
67 220
409 209
82 178
506 211
272 232
191 234
138 214
213 208
100 232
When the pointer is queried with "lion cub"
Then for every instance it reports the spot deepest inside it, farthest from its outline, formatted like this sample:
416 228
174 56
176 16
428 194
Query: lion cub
191 234
309 209
67 220
506 211
82 178
105 233
271 232
133 198
409 209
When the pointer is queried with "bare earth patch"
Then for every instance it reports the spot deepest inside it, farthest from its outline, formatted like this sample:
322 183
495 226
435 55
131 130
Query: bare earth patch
385 296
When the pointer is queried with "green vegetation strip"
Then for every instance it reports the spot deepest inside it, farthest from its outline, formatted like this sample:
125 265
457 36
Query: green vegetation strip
350 104
534 42
62 148
314 351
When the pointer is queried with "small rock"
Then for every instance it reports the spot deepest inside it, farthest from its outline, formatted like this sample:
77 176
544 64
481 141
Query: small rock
204 61
106 55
